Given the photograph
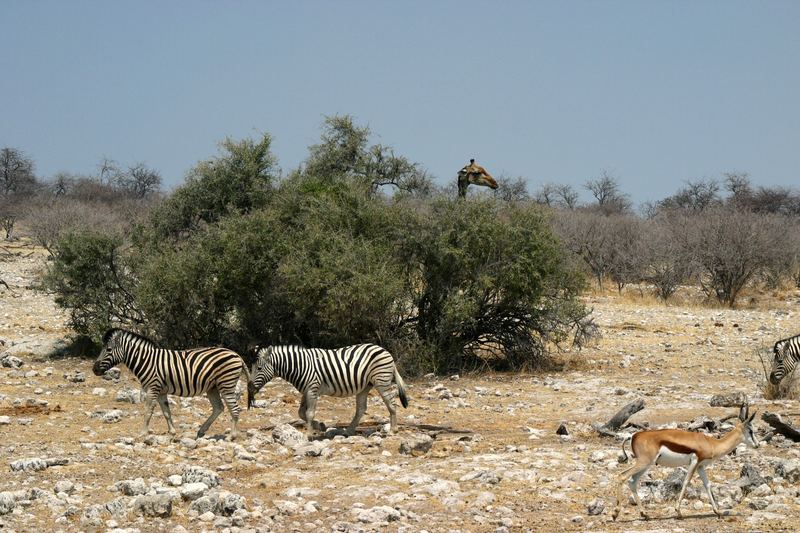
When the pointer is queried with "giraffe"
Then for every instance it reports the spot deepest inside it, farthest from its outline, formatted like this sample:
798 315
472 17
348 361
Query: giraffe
476 175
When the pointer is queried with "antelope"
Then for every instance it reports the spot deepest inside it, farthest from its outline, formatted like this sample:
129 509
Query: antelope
677 447
476 175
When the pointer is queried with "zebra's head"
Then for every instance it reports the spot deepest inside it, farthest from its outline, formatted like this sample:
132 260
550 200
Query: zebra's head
262 374
111 353
782 363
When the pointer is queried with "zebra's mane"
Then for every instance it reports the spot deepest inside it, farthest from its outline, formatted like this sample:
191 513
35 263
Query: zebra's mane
108 334
775 347
264 347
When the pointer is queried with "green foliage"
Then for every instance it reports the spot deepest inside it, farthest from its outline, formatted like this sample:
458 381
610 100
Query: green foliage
322 259
92 278
344 156
237 182
491 285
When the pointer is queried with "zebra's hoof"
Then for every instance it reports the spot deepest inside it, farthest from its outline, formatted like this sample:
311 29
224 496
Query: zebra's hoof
200 434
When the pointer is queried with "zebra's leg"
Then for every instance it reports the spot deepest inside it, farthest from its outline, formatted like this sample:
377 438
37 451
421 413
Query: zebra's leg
301 411
217 408
311 410
233 407
387 393
164 403
361 408
149 405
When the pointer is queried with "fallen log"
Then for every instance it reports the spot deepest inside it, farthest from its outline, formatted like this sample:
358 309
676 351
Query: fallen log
611 427
787 430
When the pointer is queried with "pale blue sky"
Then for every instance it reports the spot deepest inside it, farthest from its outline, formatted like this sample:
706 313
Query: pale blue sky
653 92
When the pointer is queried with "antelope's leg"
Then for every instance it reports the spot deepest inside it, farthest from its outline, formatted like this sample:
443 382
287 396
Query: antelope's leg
689 474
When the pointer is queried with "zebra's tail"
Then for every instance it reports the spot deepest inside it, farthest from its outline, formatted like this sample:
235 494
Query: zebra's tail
250 394
401 388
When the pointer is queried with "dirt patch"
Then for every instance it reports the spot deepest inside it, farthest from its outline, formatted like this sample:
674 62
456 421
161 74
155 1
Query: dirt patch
29 410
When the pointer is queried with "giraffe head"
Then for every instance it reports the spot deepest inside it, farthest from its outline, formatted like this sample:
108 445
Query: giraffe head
476 175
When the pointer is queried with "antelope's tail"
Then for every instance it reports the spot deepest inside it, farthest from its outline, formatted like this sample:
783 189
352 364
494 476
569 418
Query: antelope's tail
625 457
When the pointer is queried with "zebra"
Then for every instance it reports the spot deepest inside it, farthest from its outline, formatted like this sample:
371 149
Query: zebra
786 353
348 371
214 371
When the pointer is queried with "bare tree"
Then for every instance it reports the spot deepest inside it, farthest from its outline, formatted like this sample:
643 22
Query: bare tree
738 185
666 266
610 199
696 195
730 247
567 196
586 234
62 183
16 172
546 194
108 171
140 181
512 190
627 255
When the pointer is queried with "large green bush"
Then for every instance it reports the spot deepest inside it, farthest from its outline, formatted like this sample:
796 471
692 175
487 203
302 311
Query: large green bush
323 258
491 285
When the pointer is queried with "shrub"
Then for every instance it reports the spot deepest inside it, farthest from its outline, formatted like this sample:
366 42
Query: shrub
729 247
490 286
91 277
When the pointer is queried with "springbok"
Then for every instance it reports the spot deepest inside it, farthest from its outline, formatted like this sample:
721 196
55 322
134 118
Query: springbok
476 175
677 447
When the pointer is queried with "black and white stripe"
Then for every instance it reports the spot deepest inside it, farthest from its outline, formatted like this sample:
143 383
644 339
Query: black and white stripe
786 353
211 371
353 370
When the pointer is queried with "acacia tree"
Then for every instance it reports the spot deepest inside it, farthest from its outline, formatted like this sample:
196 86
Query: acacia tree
344 154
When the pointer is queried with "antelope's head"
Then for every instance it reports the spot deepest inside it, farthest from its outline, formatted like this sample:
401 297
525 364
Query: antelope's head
746 422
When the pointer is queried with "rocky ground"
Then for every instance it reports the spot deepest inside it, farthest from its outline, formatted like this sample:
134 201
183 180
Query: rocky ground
474 453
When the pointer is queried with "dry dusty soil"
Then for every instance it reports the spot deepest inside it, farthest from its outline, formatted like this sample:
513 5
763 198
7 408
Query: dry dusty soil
72 458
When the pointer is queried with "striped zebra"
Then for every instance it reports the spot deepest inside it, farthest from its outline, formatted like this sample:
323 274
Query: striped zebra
213 371
786 353
348 371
